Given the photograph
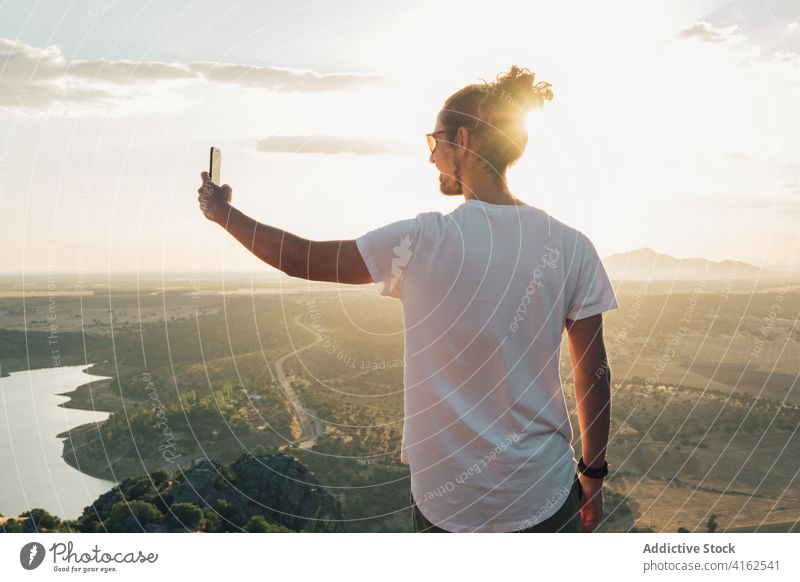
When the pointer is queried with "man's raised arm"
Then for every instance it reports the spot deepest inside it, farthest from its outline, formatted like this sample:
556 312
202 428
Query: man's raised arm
330 261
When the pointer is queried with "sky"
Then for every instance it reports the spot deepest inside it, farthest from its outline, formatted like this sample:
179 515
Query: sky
673 125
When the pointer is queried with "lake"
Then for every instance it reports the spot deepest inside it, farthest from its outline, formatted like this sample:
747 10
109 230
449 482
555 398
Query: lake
32 471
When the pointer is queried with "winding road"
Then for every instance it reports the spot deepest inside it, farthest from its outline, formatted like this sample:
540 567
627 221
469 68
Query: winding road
311 427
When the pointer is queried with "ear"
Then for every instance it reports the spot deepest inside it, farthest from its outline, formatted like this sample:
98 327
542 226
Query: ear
462 140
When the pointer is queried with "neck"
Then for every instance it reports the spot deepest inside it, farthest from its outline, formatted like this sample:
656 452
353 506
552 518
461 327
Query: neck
484 189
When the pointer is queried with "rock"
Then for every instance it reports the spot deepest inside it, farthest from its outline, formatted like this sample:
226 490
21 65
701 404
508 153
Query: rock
279 487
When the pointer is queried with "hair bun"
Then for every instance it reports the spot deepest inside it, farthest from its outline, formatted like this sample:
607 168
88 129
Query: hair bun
518 87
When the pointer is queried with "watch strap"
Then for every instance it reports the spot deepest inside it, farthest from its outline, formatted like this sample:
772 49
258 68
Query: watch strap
595 473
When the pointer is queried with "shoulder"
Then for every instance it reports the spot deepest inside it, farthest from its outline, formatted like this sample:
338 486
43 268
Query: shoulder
430 216
566 233
431 221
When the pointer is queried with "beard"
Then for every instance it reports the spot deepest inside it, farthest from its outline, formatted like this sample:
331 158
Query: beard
451 185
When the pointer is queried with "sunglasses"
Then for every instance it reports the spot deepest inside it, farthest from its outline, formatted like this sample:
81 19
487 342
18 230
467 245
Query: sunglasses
431 137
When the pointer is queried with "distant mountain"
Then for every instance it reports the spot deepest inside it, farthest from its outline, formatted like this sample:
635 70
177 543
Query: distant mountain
646 263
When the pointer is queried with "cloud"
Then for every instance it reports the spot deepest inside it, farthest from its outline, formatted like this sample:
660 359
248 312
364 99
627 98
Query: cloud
769 29
786 57
277 78
324 144
707 32
34 78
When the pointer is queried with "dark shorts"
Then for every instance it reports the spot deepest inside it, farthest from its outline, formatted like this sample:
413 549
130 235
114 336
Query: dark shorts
566 519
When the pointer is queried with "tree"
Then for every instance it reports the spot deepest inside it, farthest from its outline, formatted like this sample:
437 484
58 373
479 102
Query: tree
71 526
188 515
239 424
159 478
133 516
230 514
259 524
712 523
211 520
13 526
138 488
41 519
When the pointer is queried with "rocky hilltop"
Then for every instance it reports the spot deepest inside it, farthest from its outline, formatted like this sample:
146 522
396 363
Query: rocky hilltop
263 493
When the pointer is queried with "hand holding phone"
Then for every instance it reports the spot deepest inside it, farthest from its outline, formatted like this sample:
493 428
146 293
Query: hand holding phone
213 198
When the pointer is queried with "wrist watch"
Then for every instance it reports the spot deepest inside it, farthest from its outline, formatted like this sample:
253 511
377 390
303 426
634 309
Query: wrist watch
597 473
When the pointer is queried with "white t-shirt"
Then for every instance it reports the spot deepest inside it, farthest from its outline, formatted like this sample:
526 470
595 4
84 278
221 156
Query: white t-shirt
486 290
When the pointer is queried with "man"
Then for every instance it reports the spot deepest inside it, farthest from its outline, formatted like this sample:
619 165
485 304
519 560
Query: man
487 292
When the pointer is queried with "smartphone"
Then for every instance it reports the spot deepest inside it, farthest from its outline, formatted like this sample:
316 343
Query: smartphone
214 165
